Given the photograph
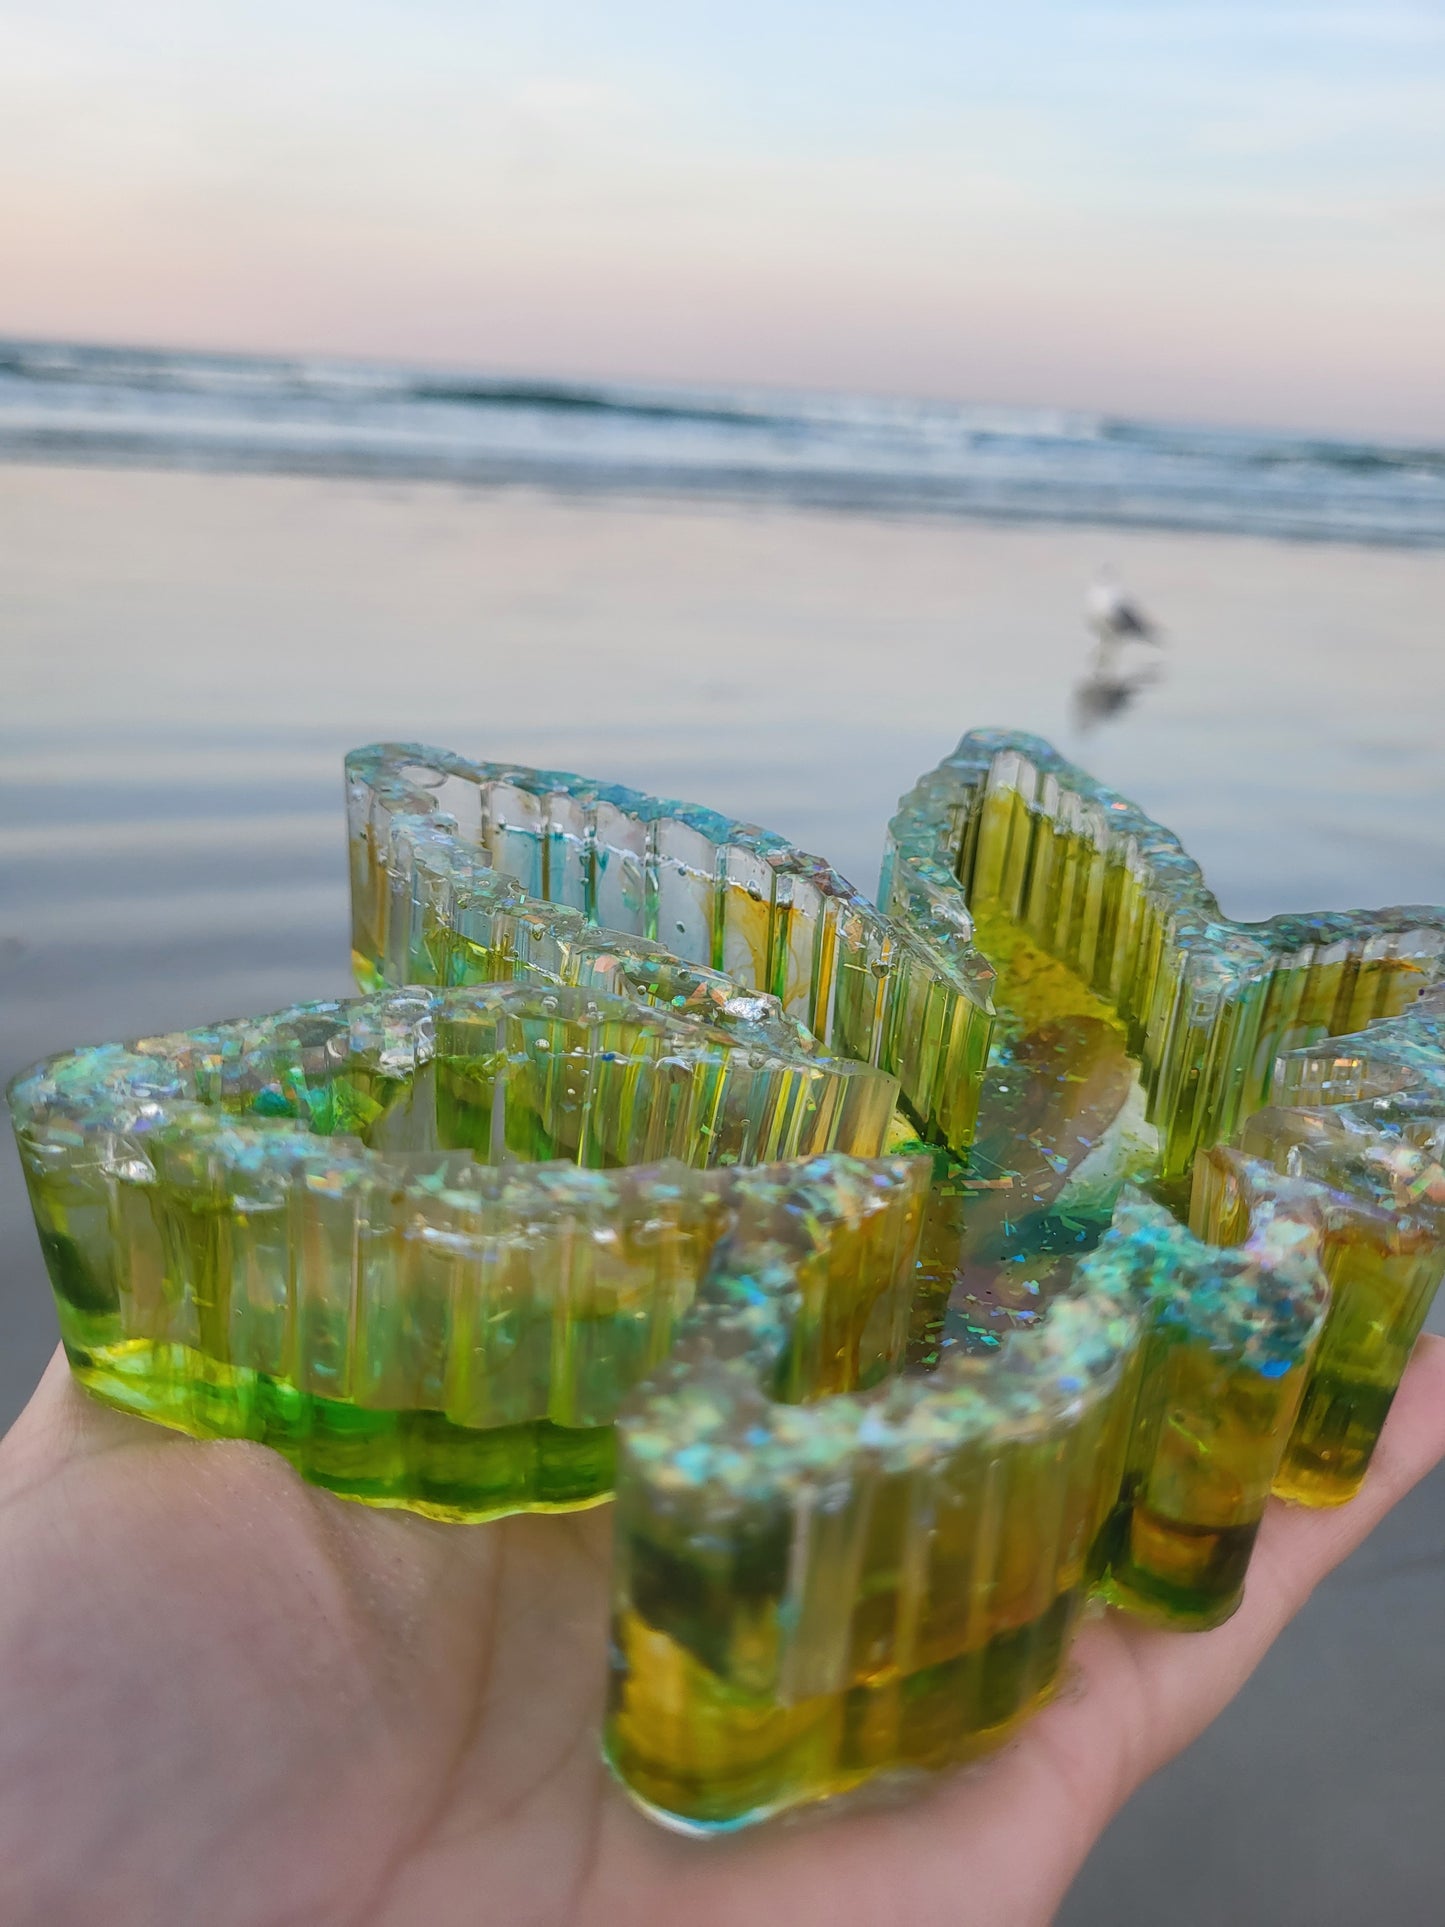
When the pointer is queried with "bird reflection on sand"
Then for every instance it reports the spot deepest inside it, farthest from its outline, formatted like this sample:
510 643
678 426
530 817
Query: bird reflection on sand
1118 672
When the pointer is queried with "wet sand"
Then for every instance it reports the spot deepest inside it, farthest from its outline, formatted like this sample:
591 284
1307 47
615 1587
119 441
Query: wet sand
186 657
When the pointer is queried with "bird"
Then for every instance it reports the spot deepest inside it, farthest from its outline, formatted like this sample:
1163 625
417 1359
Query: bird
1117 673
1115 619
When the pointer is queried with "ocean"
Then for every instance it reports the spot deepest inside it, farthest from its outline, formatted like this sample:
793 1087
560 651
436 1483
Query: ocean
163 408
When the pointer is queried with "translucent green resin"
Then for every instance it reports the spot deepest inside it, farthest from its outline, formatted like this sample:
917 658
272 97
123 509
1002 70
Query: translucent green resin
467 872
1230 1338
1133 1027
1207 1004
848 1260
334 1230
1359 1122
809 1594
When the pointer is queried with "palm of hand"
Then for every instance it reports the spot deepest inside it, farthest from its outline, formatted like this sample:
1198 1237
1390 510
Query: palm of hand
227 1697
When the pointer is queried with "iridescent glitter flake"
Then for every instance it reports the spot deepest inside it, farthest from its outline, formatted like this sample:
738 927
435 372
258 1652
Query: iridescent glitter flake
680 1171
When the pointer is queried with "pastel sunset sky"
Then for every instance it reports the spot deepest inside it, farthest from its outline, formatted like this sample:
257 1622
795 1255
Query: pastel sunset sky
1226 212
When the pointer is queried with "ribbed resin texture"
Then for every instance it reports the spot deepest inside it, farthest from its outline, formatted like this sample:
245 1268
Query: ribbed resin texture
854 1263
463 872
1116 975
340 1230
1053 864
809 1594
1359 1122
1229 1345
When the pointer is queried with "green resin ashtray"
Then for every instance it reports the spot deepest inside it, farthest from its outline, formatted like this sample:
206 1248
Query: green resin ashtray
903 1300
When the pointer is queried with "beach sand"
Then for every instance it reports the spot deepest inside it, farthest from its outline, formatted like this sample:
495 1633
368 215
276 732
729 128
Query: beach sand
188 655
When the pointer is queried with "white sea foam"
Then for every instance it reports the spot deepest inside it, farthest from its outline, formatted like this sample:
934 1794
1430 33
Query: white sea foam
882 455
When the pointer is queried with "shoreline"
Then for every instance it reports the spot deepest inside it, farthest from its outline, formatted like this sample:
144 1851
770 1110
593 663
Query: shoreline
675 490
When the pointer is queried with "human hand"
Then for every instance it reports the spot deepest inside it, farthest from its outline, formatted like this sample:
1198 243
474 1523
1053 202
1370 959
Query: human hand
228 1698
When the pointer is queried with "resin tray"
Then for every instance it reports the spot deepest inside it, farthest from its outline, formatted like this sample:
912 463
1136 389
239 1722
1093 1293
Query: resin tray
856 1270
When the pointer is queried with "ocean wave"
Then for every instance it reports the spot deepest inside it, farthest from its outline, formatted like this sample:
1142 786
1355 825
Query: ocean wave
163 408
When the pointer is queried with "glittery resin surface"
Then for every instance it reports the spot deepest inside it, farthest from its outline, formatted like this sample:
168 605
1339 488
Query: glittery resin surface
1360 1123
853 1264
342 1229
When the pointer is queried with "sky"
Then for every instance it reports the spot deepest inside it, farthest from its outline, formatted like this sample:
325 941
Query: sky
1227 212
